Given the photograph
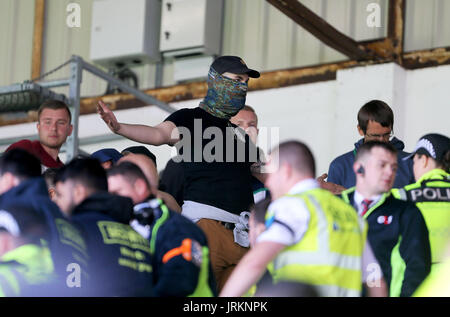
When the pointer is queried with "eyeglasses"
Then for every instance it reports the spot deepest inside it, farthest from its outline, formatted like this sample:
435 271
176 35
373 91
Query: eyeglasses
380 136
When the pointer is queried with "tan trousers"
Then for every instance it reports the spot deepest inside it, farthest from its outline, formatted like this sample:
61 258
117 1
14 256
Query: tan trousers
225 253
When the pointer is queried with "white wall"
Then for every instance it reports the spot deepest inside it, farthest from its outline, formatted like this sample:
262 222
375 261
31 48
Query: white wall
427 103
304 112
323 114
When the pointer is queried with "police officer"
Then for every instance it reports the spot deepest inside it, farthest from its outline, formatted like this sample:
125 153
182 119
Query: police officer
311 237
431 191
119 258
180 253
437 284
26 266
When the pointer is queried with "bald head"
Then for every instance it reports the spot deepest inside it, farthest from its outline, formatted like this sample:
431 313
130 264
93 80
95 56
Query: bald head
146 165
298 156
289 163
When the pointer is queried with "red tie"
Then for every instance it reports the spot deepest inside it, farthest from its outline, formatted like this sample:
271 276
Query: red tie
366 203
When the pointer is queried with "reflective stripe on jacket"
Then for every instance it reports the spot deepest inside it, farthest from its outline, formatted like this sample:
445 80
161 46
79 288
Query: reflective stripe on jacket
329 255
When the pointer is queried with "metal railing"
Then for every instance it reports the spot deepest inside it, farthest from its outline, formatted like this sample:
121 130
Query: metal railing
77 65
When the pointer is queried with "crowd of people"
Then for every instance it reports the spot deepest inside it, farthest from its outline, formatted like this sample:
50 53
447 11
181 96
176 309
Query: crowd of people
224 218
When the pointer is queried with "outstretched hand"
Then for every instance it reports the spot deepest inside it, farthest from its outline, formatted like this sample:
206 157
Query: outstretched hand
322 177
332 187
108 116
252 133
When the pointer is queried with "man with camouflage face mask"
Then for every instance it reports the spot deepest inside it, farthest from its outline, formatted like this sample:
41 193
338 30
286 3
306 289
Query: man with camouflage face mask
216 157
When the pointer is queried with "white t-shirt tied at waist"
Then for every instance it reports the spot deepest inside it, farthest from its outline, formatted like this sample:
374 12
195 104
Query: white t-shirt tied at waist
196 211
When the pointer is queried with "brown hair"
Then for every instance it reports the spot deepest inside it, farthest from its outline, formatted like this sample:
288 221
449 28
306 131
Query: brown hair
130 171
248 108
378 111
54 105
367 147
445 164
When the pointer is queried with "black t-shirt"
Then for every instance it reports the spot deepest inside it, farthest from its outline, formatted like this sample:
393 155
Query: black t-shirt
172 181
216 158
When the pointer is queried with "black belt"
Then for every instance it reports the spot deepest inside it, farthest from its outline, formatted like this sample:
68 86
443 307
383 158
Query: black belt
228 225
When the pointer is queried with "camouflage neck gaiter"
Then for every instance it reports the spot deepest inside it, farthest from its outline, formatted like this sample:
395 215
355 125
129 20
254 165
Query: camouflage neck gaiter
225 97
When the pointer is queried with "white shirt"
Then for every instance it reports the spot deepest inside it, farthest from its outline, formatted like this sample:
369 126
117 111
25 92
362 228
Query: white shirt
371 267
291 216
358 199
291 222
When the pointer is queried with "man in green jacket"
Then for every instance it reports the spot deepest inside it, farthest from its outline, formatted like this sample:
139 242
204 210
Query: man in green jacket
431 191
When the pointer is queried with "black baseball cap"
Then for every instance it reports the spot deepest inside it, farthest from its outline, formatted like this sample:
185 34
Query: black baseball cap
139 149
433 145
233 64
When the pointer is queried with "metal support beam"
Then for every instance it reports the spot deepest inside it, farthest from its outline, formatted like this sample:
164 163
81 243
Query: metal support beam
38 35
74 105
76 68
268 80
387 49
124 87
74 83
321 29
55 83
159 74
426 58
396 28
391 47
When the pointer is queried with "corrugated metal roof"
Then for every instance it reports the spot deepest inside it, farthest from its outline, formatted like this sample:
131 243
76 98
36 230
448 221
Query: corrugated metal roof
253 29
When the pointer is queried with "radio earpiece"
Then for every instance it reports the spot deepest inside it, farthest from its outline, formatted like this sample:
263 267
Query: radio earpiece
360 170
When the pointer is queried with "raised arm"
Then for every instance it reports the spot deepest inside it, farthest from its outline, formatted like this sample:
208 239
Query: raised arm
164 133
